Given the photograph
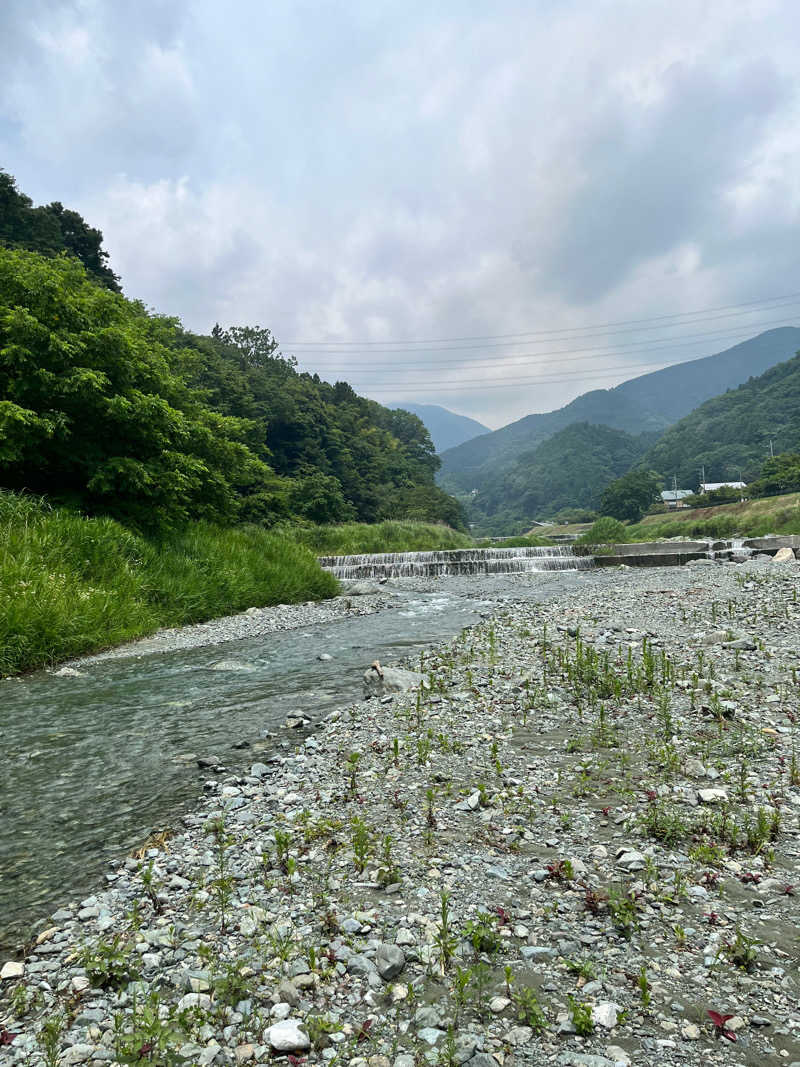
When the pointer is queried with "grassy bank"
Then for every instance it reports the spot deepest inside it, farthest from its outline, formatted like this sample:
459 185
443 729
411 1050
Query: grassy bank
358 538
71 585
752 518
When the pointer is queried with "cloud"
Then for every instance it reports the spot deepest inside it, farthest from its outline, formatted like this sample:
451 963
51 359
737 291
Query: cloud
340 171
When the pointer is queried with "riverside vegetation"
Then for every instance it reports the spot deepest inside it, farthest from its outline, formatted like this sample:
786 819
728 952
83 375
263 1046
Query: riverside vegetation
575 843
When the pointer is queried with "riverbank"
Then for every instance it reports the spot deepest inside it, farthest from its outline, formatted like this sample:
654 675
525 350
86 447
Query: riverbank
605 789
72 585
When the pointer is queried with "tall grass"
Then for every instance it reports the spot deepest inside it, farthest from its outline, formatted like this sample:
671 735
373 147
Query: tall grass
750 518
358 538
71 585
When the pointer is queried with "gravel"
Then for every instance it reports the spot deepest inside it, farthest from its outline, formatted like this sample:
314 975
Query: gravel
576 839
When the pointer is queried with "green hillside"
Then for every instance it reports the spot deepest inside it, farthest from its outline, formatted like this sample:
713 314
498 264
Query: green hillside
646 404
569 469
732 432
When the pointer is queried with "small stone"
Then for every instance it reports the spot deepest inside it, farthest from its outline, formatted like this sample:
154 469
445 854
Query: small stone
498 1004
287 993
390 961
605 1014
286 1036
12 969
630 859
690 1032
712 796
430 1034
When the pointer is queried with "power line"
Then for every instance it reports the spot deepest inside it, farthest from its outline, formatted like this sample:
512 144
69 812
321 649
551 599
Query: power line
464 383
567 355
753 305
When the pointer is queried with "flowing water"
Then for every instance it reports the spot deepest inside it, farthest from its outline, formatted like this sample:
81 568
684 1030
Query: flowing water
90 764
455 562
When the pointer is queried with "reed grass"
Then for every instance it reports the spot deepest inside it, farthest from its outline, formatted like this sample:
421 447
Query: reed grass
358 538
70 585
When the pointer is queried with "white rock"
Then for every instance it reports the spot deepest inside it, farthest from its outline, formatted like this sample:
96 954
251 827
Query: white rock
12 969
712 796
605 1014
783 555
498 1004
69 672
287 1036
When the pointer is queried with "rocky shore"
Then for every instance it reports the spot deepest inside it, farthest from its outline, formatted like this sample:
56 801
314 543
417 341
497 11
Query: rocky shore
576 842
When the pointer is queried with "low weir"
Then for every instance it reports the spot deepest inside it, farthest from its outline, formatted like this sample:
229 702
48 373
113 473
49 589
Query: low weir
458 561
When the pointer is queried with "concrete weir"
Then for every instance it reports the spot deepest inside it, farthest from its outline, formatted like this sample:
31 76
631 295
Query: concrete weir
459 561
676 553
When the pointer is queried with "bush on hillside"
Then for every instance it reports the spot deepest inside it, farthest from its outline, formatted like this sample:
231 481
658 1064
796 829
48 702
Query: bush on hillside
605 531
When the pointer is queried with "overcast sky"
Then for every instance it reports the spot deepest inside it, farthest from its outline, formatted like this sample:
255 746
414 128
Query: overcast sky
405 171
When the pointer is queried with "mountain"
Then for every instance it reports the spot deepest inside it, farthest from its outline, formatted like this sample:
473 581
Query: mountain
570 469
445 427
732 432
649 403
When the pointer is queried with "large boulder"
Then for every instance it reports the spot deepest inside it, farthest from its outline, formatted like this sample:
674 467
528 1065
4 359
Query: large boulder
381 680
783 555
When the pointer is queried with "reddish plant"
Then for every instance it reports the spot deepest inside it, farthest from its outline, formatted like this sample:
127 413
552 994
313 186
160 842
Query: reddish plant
711 918
364 1031
720 1029
6 1037
788 890
503 917
750 876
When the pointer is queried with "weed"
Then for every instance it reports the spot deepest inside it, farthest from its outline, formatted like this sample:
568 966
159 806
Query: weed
581 1016
109 964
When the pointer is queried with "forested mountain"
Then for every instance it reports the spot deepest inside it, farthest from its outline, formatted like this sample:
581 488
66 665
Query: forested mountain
569 469
651 402
447 429
111 409
52 229
732 432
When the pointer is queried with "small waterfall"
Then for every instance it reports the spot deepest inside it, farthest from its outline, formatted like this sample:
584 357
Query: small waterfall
458 561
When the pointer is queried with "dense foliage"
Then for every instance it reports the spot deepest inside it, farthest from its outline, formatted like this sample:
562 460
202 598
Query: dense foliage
52 229
647 404
732 432
779 474
605 531
629 497
568 470
70 585
120 412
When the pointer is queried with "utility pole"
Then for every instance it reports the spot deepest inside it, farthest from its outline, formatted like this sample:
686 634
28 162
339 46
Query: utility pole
771 450
702 472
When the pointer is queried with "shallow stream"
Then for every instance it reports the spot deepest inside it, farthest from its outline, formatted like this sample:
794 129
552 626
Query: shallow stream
90 764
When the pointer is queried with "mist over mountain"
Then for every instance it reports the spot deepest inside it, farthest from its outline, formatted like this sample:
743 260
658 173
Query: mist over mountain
649 403
447 429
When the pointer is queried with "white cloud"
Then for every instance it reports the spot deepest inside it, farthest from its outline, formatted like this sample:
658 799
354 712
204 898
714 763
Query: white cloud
402 171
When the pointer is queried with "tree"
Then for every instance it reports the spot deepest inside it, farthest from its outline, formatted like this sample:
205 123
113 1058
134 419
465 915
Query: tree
52 230
779 474
628 498
93 411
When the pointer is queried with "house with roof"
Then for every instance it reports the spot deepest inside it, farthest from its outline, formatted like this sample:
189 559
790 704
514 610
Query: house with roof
673 498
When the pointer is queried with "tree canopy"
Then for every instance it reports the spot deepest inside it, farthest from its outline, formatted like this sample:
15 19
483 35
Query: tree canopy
50 230
117 411
628 498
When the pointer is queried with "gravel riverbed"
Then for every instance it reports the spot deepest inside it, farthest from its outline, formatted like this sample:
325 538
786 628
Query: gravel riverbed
575 840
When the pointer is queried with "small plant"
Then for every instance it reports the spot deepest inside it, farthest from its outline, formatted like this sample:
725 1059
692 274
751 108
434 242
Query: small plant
643 984
283 842
622 908
720 1029
49 1038
444 939
482 934
351 770
221 885
461 983
108 964
361 840
528 1010
741 952
582 968
580 1015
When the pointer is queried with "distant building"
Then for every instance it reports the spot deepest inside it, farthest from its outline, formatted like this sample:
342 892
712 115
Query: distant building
709 487
674 498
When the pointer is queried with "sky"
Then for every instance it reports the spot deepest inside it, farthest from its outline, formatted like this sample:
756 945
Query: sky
493 207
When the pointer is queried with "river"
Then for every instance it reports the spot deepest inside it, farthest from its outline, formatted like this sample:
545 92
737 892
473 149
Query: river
92 764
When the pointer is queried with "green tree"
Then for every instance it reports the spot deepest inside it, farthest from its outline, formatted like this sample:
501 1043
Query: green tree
94 412
628 498
51 230
779 474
